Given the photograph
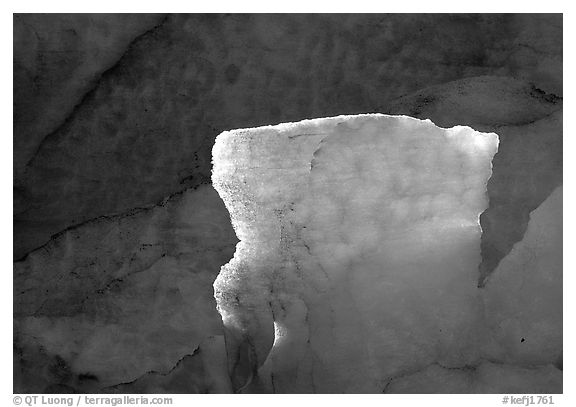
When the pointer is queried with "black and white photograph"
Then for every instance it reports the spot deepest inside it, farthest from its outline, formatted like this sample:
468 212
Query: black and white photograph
286 203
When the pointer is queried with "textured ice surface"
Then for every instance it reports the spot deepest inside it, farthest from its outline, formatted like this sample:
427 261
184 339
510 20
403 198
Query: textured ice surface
486 377
181 80
528 166
126 300
522 332
114 113
359 250
523 298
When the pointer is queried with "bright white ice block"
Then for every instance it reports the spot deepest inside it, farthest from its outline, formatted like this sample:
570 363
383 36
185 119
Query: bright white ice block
359 251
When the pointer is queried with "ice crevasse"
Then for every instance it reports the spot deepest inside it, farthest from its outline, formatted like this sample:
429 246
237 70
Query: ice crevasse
358 257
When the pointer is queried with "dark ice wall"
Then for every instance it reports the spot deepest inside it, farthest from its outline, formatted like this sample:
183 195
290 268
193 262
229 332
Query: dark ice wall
117 231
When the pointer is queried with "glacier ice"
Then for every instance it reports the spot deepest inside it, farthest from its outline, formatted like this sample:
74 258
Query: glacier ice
358 254
523 298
